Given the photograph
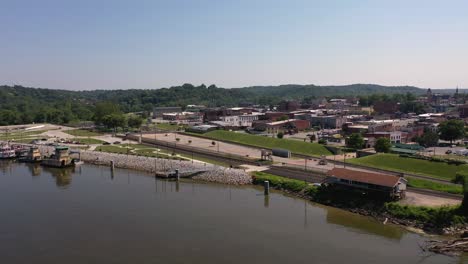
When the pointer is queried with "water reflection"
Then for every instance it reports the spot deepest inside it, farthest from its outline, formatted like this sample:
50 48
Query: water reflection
355 222
5 165
63 176
35 169
209 223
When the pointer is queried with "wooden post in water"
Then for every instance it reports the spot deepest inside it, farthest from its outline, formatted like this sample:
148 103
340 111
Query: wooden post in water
177 175
112 164
266 186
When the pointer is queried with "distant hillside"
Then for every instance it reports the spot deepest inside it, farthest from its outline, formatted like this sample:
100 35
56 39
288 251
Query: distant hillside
298 91
20 105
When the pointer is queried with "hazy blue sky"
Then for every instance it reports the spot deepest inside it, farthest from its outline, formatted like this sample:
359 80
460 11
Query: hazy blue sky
84 44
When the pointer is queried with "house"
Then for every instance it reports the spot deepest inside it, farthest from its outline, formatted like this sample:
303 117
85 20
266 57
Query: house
394 137
159 111
288 106
240 120
463 110
183 117
393 186
286 126
328 121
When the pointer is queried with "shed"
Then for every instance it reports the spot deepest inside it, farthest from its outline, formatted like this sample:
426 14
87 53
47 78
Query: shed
394 186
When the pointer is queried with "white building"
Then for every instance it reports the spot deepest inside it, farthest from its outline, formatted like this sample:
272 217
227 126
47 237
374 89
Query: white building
240 120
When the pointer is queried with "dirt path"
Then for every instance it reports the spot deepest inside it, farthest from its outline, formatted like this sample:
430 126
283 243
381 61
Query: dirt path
427 200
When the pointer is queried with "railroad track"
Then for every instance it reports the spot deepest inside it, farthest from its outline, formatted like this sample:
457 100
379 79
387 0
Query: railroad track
423 177
298 174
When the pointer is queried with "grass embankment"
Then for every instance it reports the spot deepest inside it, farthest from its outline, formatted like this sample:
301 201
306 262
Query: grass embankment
427 184
82 133
393 162
284 183
433 217
139 150
169 127
17 136
294 146
88 141
428 217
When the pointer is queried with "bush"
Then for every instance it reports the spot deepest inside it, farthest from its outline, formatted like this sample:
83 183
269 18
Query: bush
435 159
280 135
437 217
455 162
280 182
177 139
322 141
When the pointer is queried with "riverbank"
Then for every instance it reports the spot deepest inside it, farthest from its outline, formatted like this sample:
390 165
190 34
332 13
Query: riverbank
447 221
164 167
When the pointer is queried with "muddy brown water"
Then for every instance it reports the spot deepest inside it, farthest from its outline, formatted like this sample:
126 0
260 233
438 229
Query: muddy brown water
90 215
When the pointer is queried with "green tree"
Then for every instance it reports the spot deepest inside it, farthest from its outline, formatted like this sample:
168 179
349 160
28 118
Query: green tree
355 141
322 141
462 178
280 135
134 121
103 110
428 139
452 130
312 138
382 145
114 121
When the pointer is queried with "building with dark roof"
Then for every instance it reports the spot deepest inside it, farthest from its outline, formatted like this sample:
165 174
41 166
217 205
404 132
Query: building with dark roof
393 186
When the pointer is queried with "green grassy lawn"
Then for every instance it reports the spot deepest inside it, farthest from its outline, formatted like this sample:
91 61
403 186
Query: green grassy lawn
141 150
25 140
294 146
82 133
88 141
20 135
113 149
426 184
416 166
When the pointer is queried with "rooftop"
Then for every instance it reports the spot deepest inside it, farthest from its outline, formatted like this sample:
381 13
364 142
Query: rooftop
364 177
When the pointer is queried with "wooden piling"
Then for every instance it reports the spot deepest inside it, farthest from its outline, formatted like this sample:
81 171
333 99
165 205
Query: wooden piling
266 186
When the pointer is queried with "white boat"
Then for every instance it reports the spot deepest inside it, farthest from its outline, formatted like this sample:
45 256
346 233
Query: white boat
6 152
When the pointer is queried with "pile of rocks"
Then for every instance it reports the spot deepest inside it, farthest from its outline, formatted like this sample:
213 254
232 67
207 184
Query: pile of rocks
225 175
207 172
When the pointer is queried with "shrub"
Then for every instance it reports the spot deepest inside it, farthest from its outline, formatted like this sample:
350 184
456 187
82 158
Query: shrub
455 162
280 182
322 141
435 159
280 135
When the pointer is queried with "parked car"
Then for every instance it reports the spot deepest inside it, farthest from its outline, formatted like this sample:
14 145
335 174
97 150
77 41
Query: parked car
106 143
117 142
448 152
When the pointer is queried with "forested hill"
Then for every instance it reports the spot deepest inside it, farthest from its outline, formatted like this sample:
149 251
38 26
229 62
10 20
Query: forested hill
134 100
20 105
299 91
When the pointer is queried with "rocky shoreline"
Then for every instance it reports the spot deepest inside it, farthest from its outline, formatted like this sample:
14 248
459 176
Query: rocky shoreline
203 171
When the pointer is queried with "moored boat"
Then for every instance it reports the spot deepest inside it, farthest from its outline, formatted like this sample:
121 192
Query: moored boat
60 159
6 152
33 155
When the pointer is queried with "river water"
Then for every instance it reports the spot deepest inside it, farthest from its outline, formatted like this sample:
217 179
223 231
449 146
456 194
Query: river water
90 215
